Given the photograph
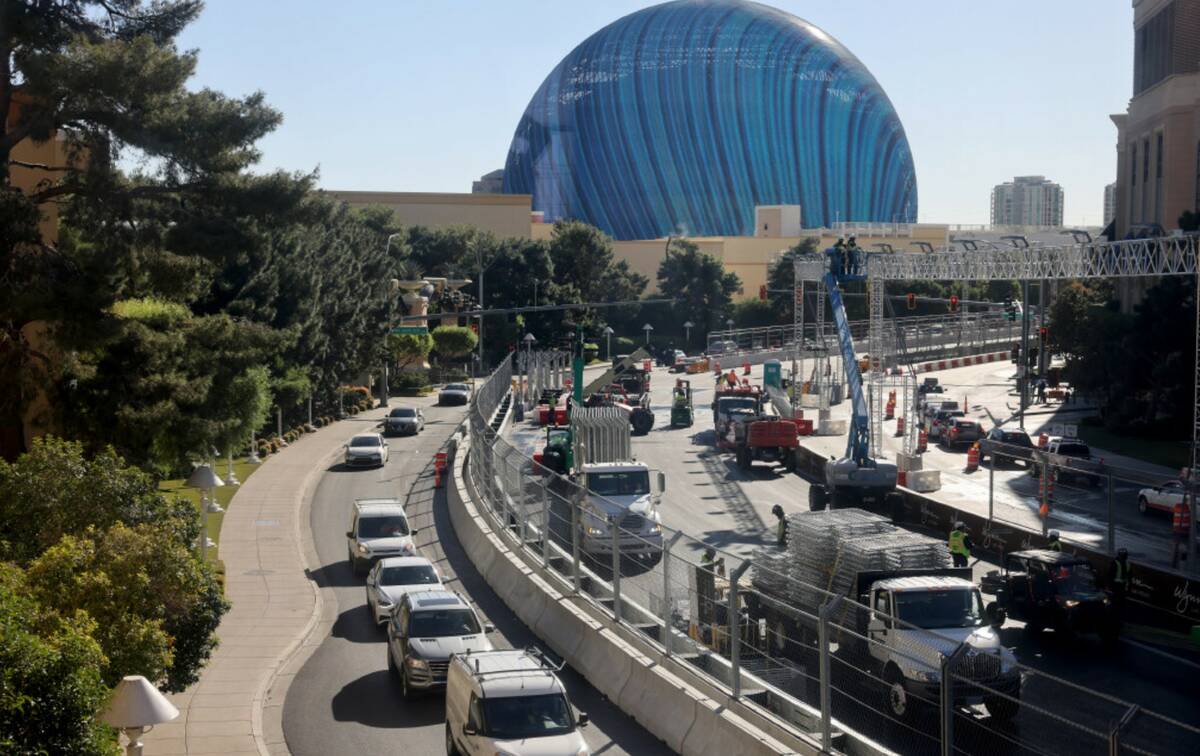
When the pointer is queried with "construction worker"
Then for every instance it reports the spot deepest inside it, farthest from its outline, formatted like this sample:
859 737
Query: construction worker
837 257
1055 544
732 379
960 544
854 256
780 526
1181 528
1119 578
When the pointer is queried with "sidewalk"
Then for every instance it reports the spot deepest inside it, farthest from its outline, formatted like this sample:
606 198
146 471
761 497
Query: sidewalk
273 605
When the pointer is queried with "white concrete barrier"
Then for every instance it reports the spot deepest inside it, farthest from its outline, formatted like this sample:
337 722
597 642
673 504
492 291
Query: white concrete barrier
637 683
924 481
831 428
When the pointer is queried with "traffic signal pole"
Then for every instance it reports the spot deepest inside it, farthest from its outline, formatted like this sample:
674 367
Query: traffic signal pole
1023 362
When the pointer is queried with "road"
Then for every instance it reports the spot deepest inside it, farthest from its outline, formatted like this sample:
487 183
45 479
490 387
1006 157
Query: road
343 700
710 498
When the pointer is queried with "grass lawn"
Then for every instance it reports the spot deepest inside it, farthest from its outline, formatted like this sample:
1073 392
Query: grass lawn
176 489
1173 454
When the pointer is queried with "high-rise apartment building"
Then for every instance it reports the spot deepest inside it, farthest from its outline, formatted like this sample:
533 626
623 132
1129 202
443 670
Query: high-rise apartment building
1027 201
1158 137
1110 203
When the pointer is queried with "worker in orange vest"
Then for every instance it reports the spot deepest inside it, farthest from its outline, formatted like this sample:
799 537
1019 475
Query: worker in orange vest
1181 526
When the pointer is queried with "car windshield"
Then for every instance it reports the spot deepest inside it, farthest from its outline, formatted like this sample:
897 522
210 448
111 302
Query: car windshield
743 402
443 622
1019 439
933 608
360 442
527 716
386 526
412 574
1073 578
1073 450
456 387
626 483
404 412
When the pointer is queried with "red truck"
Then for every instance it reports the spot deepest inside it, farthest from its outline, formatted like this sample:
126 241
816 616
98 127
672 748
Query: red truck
768 439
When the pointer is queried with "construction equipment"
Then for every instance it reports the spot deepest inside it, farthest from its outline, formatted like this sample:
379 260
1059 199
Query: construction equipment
767 439
682 413
626 386
856 478
741 401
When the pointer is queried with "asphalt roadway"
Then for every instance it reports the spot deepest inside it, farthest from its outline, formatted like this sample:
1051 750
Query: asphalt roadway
709 498
343 700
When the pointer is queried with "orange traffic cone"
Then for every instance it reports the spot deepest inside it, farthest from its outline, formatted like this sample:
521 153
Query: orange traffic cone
900 426
922 441
973 457
745 368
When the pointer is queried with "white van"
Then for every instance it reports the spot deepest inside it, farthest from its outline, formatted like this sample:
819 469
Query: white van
509 702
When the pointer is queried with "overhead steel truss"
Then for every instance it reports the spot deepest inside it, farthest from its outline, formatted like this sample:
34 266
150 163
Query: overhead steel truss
1164 256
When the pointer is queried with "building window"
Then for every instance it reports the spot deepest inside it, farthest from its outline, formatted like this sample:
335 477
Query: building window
1145 179
1158 177
1152 46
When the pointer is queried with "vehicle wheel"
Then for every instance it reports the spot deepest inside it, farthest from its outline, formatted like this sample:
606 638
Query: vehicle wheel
899 702
393 672
743 459
356 565
1002 709
817 497
1143 505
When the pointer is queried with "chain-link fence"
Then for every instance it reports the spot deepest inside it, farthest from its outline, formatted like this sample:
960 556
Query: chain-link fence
865 655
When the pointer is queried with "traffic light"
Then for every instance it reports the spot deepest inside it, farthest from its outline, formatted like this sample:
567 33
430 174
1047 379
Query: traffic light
1010 309
762 292
912 301
1042 332
953 303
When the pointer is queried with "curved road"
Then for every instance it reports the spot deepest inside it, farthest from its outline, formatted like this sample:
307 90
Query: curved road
342 700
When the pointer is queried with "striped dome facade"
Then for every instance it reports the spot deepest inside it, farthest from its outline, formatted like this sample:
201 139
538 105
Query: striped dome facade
681 118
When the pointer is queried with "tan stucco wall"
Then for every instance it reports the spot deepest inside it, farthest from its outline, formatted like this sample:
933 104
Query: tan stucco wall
27 179
505 215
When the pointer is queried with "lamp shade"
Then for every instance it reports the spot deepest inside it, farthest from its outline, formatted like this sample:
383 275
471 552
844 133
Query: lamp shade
203 477
137 703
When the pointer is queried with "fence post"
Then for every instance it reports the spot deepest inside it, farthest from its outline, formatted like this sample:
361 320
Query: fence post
991 488
735 627
545 526
947 700
1112 527
823 673
615 529
666 611
1114 732
574 543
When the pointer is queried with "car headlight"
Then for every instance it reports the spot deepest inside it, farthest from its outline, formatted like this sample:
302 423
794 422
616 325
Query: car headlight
654 529
593 531
364 549
1070 603
414 662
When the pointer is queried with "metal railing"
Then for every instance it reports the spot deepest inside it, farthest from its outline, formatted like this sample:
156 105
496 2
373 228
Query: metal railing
806 653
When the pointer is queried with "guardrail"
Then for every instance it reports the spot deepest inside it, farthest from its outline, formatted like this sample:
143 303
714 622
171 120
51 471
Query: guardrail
796 653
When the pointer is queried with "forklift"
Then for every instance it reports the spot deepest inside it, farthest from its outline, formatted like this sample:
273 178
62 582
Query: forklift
681 404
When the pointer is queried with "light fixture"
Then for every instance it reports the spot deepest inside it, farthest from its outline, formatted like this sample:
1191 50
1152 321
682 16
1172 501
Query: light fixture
136 707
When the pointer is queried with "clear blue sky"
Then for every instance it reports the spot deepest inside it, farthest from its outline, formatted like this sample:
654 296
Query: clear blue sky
424 95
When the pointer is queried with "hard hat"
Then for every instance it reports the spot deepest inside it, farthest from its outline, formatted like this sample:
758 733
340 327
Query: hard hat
959 525
1053 535
777 510
1122 553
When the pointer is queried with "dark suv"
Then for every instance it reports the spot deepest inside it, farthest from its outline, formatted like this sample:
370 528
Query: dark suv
425 630
961 432
1013 438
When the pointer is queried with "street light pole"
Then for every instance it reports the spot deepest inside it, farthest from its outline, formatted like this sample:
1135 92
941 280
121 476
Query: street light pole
608 332
687 332
647 328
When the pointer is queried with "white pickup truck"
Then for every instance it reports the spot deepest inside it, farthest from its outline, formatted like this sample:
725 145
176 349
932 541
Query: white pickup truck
620 491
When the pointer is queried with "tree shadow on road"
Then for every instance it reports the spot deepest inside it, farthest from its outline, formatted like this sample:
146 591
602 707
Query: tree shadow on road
375 701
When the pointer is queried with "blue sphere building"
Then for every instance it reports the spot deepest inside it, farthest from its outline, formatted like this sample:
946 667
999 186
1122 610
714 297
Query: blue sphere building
681 118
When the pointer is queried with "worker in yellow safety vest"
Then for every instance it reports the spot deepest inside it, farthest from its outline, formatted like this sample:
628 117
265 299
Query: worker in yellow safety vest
960 545
1055 544
781 526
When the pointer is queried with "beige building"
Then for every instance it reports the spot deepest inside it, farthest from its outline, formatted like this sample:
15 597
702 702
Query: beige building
502 214
1158 137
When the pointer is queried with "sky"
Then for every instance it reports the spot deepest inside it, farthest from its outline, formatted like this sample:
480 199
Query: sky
424 95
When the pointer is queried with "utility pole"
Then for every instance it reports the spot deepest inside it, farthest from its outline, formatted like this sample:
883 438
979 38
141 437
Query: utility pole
1023 362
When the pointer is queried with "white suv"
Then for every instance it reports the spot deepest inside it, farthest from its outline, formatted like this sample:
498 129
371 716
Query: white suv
394 578
425 629
509 702
378 529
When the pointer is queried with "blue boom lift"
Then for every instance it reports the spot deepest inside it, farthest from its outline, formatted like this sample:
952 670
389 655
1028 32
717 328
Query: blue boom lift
856 479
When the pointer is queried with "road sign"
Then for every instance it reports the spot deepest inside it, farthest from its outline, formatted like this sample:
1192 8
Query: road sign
1071 430
1058 430
410 330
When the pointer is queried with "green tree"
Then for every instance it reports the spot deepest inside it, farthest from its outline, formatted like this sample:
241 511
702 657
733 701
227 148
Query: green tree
698 281
54 490
454 342
409 348
754 313
107 79
50 684
155 605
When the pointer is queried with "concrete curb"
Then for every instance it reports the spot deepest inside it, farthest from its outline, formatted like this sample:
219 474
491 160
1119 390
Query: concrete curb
679 714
